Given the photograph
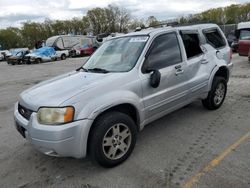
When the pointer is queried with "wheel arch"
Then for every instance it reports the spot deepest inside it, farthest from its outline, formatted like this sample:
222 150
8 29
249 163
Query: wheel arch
126 108
221 71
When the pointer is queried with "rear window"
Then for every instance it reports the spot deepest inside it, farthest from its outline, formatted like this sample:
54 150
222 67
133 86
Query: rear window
214 38
191 44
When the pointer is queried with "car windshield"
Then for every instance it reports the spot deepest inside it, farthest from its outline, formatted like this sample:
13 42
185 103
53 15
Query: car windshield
117 55
245 35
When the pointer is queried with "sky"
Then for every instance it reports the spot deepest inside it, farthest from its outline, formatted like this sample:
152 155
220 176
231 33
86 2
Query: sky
14 12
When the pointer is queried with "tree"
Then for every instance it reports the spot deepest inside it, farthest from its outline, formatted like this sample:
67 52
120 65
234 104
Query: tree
134 23
10 38
152 21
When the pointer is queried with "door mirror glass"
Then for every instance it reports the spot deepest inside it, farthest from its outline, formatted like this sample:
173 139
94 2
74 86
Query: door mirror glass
155 78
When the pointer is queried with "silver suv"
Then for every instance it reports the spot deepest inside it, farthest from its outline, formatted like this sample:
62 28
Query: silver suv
127 83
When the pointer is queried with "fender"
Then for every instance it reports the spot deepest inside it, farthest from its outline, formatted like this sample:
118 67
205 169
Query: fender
214 71
104 102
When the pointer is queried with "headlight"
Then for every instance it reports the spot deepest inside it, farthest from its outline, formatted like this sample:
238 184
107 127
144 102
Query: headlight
49 115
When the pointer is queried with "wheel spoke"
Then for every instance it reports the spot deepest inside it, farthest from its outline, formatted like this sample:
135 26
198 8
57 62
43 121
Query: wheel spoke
116 130
107 141
124 134
112 152
123 147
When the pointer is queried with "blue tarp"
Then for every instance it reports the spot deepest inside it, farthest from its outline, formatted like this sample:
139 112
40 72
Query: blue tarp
44 51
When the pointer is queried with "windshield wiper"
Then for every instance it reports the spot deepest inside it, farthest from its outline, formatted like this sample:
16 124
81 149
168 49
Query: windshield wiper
98 70
81 68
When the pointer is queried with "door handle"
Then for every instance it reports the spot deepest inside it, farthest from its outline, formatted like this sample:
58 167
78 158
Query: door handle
204 61
177 66
179 71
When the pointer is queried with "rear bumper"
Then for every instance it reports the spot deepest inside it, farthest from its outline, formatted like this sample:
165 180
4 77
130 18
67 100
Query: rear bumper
68 140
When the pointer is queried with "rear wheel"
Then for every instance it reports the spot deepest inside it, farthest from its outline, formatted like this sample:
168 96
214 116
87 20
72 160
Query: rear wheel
216 95
112 139
63 57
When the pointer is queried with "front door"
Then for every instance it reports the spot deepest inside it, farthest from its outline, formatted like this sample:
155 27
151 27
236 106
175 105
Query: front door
165 56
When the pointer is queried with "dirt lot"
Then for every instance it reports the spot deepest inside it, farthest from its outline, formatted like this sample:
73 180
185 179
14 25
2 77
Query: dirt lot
190 147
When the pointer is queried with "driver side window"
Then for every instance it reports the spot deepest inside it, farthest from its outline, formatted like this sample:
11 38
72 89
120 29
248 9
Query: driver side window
164 52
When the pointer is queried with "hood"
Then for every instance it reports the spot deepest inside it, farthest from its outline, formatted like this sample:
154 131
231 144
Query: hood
55 91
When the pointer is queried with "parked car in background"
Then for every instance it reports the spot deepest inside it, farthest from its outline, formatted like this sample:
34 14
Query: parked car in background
243 35
18 58
5 54
235 46
231 38
61 54
46 54
40 55
249 55
1 57
88 47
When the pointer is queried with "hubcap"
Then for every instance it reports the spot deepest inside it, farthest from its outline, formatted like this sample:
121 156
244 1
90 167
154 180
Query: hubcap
116 141
219 93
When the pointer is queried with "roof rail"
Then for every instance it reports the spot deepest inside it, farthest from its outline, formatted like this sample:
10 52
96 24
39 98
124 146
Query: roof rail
188 24
153 26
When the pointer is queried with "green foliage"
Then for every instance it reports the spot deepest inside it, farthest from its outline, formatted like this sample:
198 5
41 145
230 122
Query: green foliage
232 14
10 38
152 21
109 19
98 20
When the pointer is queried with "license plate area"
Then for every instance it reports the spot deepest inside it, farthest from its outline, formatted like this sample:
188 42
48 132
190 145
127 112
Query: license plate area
20 129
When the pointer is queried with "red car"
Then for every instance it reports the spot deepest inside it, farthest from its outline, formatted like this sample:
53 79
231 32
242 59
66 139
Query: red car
87 49
243 34
88 46
249 55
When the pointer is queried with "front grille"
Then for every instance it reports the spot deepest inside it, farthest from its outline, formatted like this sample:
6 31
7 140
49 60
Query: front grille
26 113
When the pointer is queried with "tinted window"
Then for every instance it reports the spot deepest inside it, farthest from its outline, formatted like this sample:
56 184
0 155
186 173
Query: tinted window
192 44
164 51
244 35
214 38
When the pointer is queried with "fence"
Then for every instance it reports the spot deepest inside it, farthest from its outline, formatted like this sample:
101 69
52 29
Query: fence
229 28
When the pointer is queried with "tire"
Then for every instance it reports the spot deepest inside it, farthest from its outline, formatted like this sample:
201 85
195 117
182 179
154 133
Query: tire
216 95
38 60
20 62
63 57
113 131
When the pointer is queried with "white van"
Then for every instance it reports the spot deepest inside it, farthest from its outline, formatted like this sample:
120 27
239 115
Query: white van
61 42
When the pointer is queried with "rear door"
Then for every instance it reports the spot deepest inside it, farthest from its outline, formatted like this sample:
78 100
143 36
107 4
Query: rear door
199 63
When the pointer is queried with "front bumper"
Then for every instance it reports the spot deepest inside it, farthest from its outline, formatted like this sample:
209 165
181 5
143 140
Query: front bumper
68 140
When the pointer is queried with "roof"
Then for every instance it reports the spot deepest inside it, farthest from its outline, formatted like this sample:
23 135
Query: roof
243 25
152 31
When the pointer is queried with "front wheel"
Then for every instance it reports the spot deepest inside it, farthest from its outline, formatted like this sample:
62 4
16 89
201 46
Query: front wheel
112 139
216 95
38 60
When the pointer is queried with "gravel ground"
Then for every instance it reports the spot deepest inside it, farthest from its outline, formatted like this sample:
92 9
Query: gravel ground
168 153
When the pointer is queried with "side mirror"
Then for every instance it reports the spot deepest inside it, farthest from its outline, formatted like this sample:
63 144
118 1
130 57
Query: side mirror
155 78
